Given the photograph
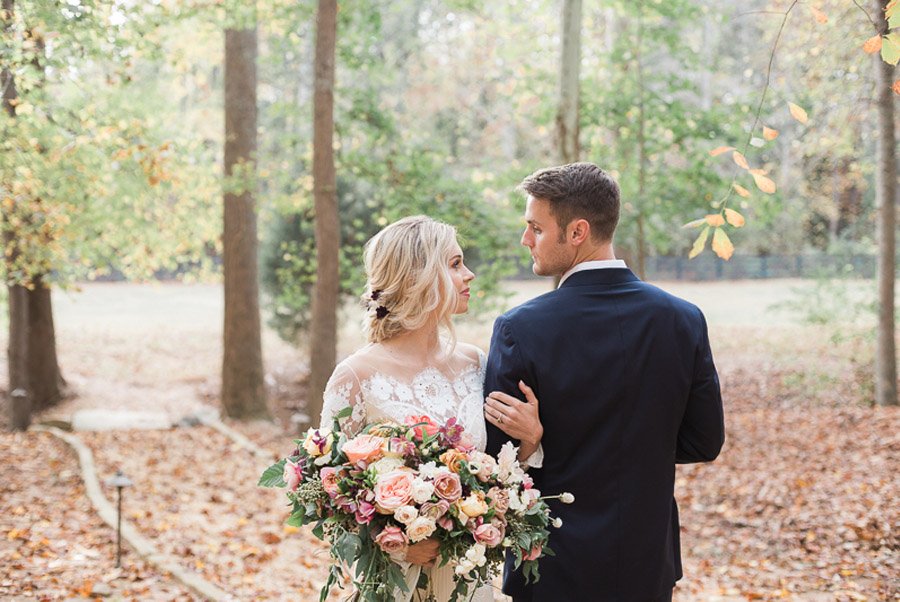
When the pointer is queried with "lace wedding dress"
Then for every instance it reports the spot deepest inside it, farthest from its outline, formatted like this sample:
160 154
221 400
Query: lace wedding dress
378 386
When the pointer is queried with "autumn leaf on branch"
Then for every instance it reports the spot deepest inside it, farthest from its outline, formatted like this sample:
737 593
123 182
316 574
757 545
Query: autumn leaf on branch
763 182
721 244
740 159
715 220
734 218
741 190
872 45
890 48
699 243
896 87
720 150
769 134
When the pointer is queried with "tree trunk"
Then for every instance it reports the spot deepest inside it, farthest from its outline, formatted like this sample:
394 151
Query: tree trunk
325 296
47 384
567 115
641 201
886 199
243 389
19 398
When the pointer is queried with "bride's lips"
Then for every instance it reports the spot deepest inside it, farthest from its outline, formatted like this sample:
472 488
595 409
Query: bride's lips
465 293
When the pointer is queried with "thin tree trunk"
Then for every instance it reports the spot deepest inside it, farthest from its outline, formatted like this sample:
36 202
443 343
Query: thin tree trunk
569 89
47 384
19 397
641 201
325 296
243 389
886 199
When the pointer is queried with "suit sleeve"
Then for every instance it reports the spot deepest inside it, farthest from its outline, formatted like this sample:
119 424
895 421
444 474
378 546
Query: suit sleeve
702 430
503 371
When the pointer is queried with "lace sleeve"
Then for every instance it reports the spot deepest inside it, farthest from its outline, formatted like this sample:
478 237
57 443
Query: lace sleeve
342 391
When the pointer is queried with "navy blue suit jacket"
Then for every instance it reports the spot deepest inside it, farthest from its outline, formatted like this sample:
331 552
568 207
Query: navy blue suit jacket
627 388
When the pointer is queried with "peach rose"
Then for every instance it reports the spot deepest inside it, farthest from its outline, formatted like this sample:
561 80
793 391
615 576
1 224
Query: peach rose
392 540
330 477
420 528
363 448
447 486
473 506
393 490
499 499
488 534
426 426
435 510
453 459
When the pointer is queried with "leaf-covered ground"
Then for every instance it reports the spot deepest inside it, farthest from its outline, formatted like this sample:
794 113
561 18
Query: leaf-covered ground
801 505
52 544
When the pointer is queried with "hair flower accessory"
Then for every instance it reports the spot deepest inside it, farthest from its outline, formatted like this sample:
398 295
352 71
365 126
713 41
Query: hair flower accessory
381 311
375 294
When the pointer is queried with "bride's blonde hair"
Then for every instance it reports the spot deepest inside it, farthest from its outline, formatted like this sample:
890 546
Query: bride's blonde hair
409 277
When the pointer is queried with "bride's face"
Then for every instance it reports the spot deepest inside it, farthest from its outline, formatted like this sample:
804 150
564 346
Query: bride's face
461 277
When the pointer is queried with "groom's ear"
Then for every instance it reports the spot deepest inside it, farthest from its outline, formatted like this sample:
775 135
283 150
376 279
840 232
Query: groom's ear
579 231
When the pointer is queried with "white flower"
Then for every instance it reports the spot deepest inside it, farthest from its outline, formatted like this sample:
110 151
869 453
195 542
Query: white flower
475 554
422 490
429 470
322 460
406 514
507 461
566 498
464 566
516 503
557 522
386 465
420 528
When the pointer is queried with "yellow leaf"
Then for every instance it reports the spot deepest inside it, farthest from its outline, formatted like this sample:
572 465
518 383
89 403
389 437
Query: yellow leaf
769 133
721 244
718 151
872 45
896 87
819 15
758 172
715 219
764 183
741 190
291 530
695 223
890 8
798 113
740 160
699 243
734 218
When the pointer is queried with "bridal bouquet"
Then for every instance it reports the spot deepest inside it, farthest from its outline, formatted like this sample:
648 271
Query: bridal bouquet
392 485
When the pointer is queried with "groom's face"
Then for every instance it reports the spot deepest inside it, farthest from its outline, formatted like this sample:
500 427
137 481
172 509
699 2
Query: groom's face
545 239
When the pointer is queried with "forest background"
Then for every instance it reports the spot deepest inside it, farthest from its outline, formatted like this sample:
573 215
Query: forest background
757 124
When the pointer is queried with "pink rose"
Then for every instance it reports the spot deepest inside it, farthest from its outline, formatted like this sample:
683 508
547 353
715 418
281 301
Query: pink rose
365 512
393 490
329 476
499 499
392 540
365 448
426 426
447 486
293 475
488 534
534 554
445 522
434 510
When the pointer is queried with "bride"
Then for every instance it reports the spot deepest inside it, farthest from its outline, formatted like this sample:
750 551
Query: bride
417 280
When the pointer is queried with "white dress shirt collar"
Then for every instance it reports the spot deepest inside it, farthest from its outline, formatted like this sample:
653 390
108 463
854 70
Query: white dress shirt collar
592 265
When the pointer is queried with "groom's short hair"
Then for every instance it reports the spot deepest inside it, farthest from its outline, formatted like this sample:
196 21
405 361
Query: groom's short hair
578 191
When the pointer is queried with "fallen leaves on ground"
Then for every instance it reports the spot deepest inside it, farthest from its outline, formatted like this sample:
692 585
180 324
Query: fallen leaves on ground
53 546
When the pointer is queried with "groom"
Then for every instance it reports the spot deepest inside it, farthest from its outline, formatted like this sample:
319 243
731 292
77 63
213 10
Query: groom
627 389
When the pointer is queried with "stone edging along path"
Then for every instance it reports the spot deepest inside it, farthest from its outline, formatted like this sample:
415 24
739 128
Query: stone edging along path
143 546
